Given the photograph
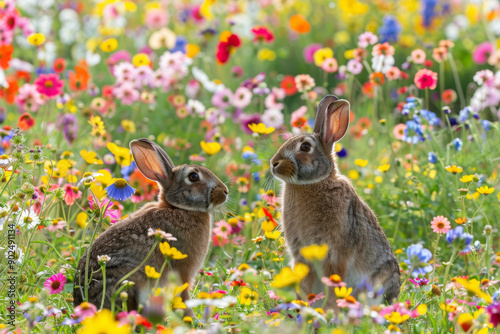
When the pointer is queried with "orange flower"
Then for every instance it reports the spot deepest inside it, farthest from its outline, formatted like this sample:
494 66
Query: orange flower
377 78
299 24
460 220
9 93
5 55
80 79
25 121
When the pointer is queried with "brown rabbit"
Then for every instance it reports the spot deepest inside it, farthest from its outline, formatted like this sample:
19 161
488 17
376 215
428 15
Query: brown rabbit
320 206
188 194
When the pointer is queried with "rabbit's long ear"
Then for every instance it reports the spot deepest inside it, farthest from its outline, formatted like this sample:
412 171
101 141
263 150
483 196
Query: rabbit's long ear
321 112
335 123
153 162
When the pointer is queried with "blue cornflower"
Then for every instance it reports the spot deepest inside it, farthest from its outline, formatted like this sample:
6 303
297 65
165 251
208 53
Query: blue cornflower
418 256
390 29
413 132
464 114
486 125
342 153
127 170
432 158
464 240
430 117
180 44
457 142
256 176
120 190
428 13
243 202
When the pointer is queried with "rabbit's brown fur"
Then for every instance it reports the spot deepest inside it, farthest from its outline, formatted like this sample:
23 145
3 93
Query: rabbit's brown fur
320 206
127 242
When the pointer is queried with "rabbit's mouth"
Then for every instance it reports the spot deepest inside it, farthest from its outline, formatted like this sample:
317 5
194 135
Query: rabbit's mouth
283 168
218 196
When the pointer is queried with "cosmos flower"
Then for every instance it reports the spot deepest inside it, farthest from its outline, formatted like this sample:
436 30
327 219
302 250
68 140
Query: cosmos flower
440 224
55 283
49 85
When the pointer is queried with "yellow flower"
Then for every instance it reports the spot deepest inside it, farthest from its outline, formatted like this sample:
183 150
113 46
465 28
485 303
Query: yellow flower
128 125
474 195
473 287
321 54
342 292
98 128
384 168
81 219
454 169
90 157
141 59
261 128
178 303
187 320
466 178
353 174
465 320
314 252
171 252
266 54
396 317
485 190
122 154
103 322
273 235
288 277
206 9
210 148
361 162
36 39
268 226
192 50
151 272
243 267
379 179
248 297
98 191
109 45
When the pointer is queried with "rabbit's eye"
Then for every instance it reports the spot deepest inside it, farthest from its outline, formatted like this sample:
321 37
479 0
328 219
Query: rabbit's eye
305 147
193 177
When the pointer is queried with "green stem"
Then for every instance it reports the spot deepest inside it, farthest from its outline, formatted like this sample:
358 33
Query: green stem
103 266
447 271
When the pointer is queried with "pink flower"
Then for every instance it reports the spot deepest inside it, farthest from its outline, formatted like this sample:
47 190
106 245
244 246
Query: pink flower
222 99
84 310
393 73
222 229
55 283
56 225
304 82
330 65
72 193
127 93
418 56
156 18
354 66
309 52
384 49
440 224
399 131
484 76
367 38
111 212
426 79
242 97
28 98
482 53
49 85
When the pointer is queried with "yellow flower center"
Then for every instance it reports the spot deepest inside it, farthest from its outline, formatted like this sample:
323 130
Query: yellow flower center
120 183
49 84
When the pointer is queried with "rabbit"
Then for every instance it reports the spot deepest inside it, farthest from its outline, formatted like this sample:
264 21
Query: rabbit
320 206
188 195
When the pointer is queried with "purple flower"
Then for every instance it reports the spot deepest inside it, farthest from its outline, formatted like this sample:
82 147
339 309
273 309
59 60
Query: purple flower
68 124
255 81
494 312
249 119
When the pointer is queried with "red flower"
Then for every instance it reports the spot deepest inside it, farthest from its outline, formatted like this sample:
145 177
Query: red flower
25 121
262 34
428 63
9 93
227 45
288 84
238 282
5 55
368 88
59 65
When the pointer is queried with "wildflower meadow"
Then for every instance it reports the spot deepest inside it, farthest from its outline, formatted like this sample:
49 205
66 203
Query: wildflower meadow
119 117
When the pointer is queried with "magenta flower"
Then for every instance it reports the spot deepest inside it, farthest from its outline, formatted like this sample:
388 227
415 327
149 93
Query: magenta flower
114 215
55 283
309 52
49 85
482 53
426 79
494 312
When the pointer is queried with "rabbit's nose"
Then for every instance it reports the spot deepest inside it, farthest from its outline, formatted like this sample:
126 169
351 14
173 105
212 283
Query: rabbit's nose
276 164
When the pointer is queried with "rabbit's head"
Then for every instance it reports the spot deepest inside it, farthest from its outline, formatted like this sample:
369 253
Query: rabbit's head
188 187
307 159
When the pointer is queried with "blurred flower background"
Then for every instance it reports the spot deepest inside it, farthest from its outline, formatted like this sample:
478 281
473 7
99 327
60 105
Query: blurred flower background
224 84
